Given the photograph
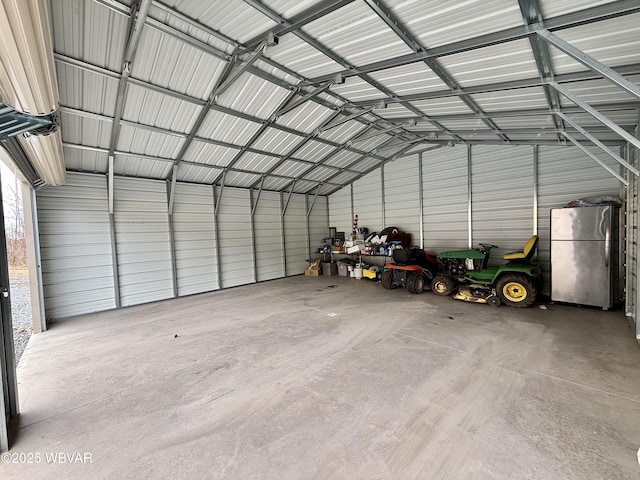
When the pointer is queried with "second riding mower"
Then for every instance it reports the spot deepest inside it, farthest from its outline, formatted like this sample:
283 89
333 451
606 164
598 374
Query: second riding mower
412 268
464 274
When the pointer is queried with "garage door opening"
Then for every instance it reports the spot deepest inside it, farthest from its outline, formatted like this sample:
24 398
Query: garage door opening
16 244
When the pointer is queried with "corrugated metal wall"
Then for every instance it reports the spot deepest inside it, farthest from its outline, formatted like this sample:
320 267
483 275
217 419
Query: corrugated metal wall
503 215
268 234
445 199
295 219
367 202
401 201
75 246
340 215
503 192
234 235
76 240
195 239
142 240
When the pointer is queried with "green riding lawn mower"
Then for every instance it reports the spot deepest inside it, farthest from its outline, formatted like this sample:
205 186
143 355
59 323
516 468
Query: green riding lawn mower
464 274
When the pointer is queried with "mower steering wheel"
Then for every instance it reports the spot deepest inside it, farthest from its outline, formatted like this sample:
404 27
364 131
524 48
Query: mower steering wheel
488 246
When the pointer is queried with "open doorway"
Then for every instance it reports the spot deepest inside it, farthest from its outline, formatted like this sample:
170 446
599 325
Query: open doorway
17 259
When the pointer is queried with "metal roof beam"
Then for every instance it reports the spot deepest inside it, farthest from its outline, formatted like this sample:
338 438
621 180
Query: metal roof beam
327 52
581 17
300 101
297 21
189 163
594 157
598 143
138 17
590 63
532 15
518 113
394 23
598 116
585 75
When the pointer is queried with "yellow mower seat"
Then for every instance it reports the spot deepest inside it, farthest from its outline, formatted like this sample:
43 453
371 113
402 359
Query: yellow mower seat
527 252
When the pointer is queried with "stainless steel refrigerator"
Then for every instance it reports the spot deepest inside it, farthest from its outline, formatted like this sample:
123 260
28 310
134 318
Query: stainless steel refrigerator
583 260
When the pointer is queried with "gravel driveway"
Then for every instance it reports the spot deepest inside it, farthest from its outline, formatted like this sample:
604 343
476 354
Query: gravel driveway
21 311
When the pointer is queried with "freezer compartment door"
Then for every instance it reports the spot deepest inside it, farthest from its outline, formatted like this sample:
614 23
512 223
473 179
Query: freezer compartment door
581 273
581 223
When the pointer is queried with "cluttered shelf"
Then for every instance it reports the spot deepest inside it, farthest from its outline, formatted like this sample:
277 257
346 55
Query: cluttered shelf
362 255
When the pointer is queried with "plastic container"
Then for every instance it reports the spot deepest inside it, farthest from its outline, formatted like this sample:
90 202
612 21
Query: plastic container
343 270
329 268
357 272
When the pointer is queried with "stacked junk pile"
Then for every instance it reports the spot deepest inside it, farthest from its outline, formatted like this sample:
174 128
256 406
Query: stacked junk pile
462 274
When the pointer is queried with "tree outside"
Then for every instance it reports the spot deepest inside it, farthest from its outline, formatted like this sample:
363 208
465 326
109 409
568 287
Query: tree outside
17 259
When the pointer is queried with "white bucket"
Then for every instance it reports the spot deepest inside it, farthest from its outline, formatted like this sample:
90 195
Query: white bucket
357 272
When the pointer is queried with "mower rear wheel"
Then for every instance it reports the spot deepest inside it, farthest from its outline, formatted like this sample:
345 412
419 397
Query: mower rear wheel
415 283
387 280
442 285
516 290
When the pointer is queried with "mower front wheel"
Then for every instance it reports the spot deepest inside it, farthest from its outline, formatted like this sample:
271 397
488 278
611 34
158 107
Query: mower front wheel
442 285
516 290
415 283
387 280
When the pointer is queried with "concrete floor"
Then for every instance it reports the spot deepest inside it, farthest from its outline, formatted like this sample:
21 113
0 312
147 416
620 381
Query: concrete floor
332 378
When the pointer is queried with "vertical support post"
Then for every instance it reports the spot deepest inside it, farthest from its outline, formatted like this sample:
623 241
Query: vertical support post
384 220
172 241
306 225
34 265
421 199
216 203
634 157
535 189
112 231
282 235
353 213
253 234
469 199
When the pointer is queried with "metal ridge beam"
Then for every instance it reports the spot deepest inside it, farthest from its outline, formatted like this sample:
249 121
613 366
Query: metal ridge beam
581 17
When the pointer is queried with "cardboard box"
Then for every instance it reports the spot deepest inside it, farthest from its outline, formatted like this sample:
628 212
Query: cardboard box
314 269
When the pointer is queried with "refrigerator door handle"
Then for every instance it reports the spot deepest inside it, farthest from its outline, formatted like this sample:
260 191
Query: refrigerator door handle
607 244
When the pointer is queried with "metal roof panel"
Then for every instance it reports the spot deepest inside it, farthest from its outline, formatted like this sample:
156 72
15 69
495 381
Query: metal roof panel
357 34
277 141
86 90
613 42
85 160
497 63
298 55
256 162
253 95
314 151
305 118
153 108
408 79
355 89
168 62
291 168
442 106
133 166
210 154
521 98
92 132
227 128
437 22
235 19
138 140
191 173
90 32
239 179
342 159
